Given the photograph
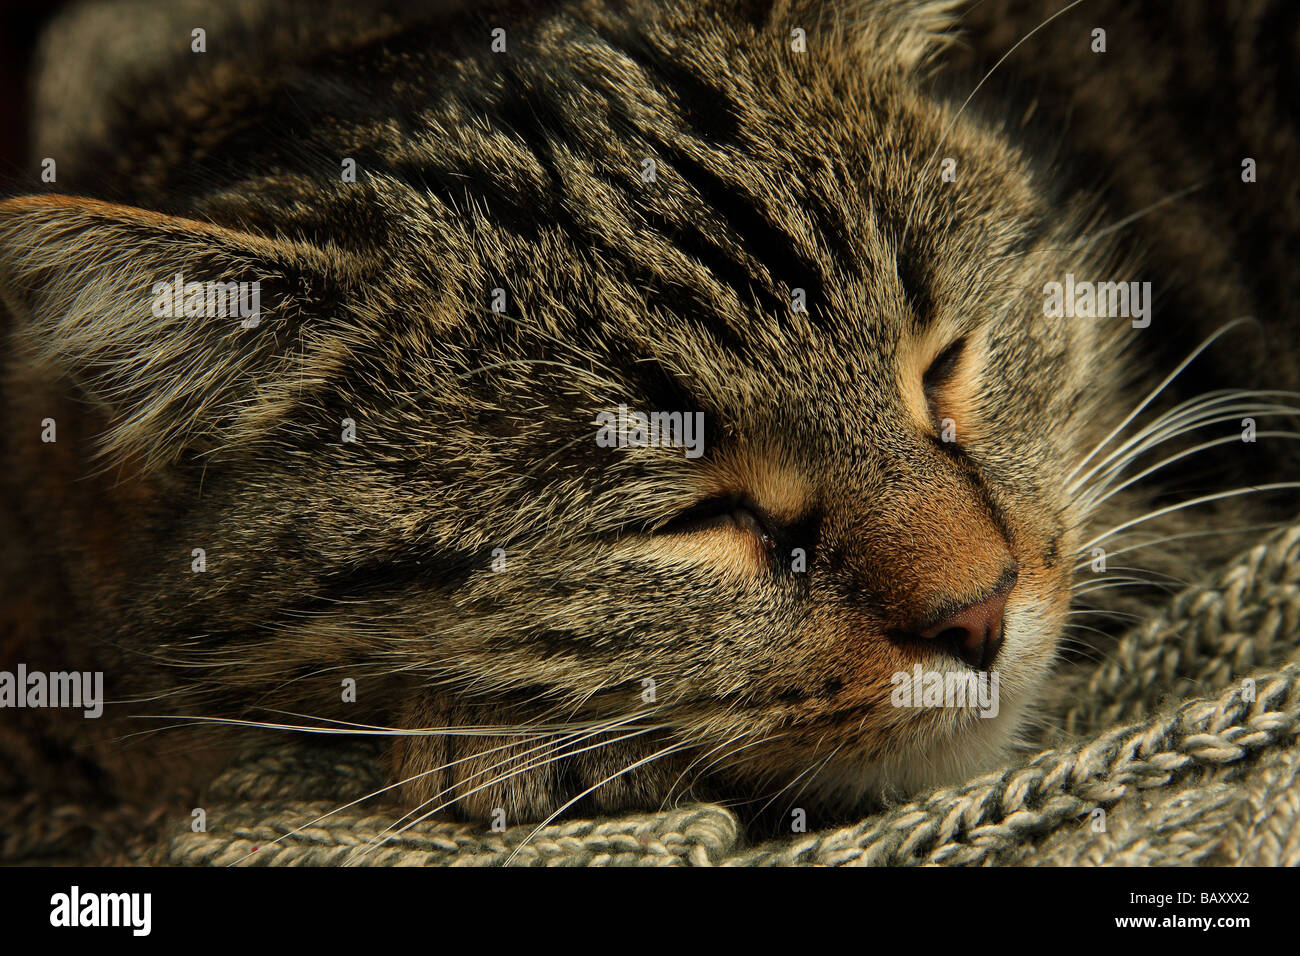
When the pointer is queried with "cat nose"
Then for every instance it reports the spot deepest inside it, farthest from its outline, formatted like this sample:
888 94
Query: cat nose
974 633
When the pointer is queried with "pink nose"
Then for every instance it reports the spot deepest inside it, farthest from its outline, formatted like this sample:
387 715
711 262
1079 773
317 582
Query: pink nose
973 633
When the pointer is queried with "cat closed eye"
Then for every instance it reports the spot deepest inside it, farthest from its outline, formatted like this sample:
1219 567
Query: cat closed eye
944 365
722 512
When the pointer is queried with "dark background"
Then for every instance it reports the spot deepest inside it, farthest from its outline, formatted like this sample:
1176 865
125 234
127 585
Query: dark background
20 23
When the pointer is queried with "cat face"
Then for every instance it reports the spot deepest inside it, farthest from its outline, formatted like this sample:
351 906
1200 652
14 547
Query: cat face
429 467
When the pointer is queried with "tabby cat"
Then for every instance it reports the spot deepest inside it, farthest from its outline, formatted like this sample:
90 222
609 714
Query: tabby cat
478 235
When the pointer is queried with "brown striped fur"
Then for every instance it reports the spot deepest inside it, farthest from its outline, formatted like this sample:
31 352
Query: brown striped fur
373 560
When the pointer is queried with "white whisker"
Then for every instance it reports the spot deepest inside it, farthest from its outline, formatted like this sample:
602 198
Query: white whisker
549 758
1203 499
671 748
943 137
1204 446
1240 529
1175 423
1155 392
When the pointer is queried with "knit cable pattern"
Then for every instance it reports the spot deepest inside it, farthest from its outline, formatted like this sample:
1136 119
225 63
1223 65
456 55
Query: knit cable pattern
1208 637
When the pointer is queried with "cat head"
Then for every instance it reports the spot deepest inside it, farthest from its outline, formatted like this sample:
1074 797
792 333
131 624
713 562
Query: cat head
657 392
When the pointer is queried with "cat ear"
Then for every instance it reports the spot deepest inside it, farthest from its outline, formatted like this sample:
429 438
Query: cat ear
910 32
184 333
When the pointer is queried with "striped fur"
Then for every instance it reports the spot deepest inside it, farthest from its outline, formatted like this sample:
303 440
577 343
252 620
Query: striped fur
775 171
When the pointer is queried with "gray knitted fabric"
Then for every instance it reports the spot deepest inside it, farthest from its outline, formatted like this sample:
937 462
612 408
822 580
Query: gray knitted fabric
1179 748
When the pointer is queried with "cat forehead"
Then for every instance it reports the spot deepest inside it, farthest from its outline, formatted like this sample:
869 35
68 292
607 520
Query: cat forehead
542 208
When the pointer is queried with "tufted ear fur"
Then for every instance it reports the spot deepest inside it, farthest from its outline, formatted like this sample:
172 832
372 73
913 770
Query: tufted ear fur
920 31
184 333
909 33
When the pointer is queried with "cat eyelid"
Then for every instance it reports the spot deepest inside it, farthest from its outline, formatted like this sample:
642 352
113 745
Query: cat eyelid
944 365
722 511
947 394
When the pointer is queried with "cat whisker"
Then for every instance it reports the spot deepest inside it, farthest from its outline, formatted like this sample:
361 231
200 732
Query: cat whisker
943 137
1156 392
705 769
670 749
1134 583
1136 571
1187 410
1084 645
550 757
814 769
395 829
461 731
1102 612
1240 529
1144 211
1161 432
1086 585
1192 503
1095 501
372 794
1166 428
549 746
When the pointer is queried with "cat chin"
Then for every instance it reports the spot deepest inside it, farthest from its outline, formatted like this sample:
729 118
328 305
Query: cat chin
955 745
952 756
